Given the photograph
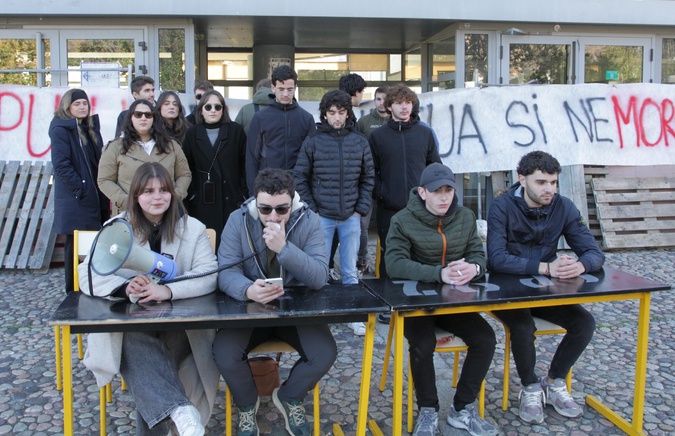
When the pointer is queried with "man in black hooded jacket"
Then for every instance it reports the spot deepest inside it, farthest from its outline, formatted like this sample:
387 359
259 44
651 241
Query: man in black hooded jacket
402 149
524 226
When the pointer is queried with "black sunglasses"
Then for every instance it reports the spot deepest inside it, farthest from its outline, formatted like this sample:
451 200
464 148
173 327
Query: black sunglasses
280 210
198 96
139 114
217 107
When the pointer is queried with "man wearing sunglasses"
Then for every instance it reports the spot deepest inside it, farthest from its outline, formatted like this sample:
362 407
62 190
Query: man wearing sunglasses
142 87
276 134
201 87
286 240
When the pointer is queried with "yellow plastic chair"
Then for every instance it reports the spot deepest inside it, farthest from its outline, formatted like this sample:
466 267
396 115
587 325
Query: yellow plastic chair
542 328
270 347
454 345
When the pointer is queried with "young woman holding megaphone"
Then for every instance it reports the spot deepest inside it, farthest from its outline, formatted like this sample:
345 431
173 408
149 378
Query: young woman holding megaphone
149 361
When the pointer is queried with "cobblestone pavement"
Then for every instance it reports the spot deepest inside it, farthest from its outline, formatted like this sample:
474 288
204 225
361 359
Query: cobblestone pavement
30 404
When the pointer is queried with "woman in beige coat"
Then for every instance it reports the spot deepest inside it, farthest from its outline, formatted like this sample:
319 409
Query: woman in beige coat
171 375
142 140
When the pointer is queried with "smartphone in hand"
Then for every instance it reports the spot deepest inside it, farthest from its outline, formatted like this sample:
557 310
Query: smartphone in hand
275 281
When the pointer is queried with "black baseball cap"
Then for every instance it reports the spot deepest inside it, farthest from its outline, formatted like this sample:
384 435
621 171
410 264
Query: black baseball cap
437 175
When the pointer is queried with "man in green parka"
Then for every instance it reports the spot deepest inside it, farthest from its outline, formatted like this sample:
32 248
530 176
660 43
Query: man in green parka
434 239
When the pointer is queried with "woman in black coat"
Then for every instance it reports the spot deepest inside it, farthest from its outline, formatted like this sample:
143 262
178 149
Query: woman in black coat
215 149
76 149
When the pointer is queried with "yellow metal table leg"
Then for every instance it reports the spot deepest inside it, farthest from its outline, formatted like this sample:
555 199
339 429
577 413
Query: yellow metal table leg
57 359
387 355
317 413
366 370
374 428
337 430
397 424
80 347
67 382
102 410
634 427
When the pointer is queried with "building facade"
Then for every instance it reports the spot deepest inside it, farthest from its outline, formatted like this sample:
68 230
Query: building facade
430 45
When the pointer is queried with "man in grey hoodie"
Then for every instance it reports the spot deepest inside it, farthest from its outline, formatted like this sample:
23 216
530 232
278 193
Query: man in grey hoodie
286 240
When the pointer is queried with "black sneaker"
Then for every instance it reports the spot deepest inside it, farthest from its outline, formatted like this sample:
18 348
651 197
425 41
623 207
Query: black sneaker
384 318
294 415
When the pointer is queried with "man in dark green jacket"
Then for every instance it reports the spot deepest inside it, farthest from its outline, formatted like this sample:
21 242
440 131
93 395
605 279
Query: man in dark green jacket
261 99
433 239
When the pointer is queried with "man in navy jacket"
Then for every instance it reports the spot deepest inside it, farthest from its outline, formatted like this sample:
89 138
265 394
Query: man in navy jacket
275 135
524 226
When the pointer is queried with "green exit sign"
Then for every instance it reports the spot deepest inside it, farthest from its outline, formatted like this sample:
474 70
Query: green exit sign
611 75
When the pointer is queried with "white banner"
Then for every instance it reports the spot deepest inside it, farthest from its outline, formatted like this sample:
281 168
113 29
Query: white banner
478 129
489 129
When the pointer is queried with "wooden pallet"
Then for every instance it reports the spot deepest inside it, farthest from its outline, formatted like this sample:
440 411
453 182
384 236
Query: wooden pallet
27 214
635 213
592 172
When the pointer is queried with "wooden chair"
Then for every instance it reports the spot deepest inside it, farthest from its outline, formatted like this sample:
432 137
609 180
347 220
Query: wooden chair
542 328
268 347
454 345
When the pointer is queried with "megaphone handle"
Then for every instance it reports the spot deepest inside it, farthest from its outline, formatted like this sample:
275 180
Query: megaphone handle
153 279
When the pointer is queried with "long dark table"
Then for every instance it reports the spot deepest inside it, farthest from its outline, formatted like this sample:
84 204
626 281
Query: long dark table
79 313
504 291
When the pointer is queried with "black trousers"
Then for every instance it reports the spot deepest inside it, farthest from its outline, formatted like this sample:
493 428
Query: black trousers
68 249
474 331
383 220
578 322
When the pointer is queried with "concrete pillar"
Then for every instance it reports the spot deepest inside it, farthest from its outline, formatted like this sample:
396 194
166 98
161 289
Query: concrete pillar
267 57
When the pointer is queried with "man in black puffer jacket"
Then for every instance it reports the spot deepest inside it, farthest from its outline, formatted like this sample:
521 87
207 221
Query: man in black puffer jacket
401 151
335 177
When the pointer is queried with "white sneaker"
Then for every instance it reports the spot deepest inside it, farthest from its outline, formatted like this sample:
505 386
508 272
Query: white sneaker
359 328
532 399
558 397
427 422
188 421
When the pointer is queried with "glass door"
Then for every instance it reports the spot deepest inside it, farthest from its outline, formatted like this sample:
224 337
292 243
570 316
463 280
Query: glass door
546 59
616 60
530 59
26 56
101 57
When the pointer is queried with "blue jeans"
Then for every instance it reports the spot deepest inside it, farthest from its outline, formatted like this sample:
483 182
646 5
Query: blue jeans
149 366
349 233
